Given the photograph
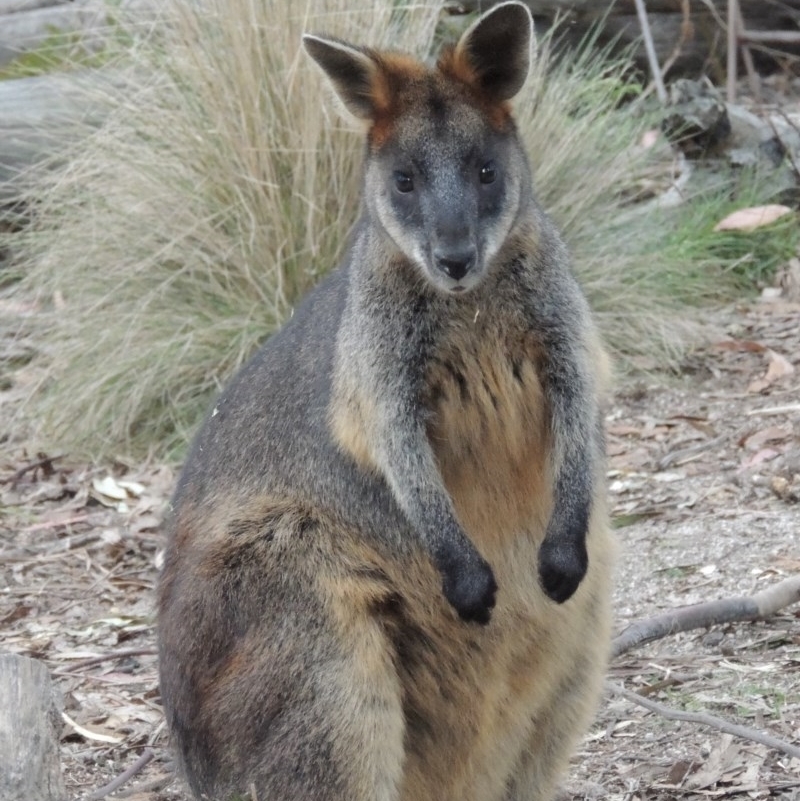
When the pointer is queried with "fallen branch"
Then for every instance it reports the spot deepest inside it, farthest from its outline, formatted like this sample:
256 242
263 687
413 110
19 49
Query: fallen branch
96 660
153 786
729 610
125 776
702 719
44 461
88 734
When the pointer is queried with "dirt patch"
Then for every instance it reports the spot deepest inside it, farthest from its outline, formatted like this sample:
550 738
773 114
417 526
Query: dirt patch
704 479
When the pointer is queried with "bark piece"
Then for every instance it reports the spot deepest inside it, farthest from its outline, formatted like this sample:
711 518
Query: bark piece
30 768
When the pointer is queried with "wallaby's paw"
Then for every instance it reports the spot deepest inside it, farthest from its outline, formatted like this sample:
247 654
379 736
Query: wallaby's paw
469 586
562 568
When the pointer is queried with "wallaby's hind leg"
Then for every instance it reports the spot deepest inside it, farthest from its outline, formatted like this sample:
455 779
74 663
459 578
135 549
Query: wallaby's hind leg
543 764
559 725
276 674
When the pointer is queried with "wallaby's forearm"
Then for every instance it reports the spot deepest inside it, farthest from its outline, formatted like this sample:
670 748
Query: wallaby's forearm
569 387
404 457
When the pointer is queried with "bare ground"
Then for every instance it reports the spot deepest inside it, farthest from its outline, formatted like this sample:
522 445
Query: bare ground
704 480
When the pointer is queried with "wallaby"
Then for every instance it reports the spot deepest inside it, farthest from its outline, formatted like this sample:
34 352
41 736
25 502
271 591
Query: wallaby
388 568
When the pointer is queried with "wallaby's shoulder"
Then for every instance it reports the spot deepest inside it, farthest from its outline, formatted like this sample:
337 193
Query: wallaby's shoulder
290 372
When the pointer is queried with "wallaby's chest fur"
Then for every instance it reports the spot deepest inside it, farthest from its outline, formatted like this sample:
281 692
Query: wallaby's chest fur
488 428
487 422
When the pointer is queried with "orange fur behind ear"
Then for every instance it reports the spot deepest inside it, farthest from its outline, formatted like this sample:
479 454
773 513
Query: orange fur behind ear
454 64
394 71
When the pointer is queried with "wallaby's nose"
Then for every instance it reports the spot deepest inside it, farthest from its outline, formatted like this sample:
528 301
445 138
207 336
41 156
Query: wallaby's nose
455 263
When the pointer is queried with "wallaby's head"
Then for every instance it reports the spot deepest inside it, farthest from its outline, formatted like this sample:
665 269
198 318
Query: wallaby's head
445 174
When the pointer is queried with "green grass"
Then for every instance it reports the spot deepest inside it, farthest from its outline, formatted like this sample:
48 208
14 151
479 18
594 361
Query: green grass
744 260
223 184
60 51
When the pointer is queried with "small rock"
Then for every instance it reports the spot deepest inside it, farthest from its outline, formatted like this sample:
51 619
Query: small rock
788 280
697 120
713 638
788 490
747 129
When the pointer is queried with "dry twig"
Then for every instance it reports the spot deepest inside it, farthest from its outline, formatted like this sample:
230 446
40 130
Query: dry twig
96 660
789 409
703 719
687 32
44 461
754 607
125 776
651 51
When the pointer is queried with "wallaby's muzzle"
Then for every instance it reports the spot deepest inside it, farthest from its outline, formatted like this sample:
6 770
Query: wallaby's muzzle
455 263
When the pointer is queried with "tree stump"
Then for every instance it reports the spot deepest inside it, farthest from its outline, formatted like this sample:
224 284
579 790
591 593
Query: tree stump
30 769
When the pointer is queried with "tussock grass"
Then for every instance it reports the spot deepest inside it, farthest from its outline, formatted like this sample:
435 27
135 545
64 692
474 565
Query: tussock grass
587 160
225 183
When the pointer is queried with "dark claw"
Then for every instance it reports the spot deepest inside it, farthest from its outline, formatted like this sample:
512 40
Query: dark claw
562 568
469 586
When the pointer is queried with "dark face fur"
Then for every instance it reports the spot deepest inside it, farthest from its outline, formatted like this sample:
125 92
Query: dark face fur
445 184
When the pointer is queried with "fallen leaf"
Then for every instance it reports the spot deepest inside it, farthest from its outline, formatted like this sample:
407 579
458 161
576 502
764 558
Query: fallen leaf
109 488
771 434
117 489
751 218
718 761
650 138
786 490
764 455
146 522
623 430
20 611
740 345
779 367
89 734
771 293
667 477
680 771
133 488
757 386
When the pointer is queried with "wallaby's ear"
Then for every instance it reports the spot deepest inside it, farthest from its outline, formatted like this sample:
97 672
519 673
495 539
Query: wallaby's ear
495 51
351 71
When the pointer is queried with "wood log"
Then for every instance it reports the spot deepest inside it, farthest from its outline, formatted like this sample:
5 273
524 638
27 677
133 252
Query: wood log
40 115
30 768
695 44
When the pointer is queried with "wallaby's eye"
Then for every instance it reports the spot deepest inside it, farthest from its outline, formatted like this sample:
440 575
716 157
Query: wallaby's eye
488 173
403 182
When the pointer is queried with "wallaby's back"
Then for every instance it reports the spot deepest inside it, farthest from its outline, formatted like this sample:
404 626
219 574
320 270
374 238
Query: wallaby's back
387 574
